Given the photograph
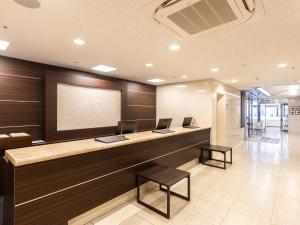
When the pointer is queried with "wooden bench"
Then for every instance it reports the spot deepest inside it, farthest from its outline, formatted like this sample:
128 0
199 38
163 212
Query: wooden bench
215 148
164 176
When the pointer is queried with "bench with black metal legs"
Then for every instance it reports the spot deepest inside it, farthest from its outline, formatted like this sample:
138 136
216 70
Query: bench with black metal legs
165 177
215 148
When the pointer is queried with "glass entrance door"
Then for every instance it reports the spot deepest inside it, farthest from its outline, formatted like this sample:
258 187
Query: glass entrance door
256 116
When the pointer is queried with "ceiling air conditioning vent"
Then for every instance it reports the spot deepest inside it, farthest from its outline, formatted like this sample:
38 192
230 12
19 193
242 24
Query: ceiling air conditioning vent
203 15
193 18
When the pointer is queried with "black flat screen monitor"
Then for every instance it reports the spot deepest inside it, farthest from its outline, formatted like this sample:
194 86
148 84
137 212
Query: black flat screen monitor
187 121
126 127
164 123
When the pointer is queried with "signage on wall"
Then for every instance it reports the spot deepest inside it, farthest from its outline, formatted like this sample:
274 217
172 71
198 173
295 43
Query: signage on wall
294 110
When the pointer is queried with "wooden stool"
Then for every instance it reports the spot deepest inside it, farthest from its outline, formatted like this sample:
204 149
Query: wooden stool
164 176
215 148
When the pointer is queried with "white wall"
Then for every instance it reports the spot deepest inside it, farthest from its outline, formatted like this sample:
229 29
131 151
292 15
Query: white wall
194 100
294 120
177 103
221 119
227 115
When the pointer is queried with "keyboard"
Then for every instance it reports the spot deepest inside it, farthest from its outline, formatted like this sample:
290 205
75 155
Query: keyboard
191 127
163 131
111 139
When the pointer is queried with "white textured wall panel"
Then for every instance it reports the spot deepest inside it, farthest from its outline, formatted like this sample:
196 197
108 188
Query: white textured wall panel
85 107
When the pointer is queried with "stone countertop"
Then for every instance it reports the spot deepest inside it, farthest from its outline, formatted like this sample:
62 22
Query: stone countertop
35 154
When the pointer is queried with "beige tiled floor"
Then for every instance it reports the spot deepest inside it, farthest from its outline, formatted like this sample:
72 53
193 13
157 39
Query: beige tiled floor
262 187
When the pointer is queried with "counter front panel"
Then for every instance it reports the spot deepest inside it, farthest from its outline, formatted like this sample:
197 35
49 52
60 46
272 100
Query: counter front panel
51 192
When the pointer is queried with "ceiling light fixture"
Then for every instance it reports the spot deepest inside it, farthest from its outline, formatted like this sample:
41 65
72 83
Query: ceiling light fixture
282 65
293 90
181 86
264 91
4 45
103 68
201 90
220 90
156 80
78 41
149 65
293 87
234 81
174 47
184 76
215 70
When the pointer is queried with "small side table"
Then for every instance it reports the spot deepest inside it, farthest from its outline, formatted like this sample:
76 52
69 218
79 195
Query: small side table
215 148
164 176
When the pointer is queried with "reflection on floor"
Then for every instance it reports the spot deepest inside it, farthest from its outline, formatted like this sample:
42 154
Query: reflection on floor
270 135
260 188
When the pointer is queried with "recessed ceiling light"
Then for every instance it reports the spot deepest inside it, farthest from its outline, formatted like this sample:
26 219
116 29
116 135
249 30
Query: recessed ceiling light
205 83
156 80
201 90
282 65
294 87
215 69
293 90
4 45
174 47
264 92
234 81
181 86
149 65
184 76
103 68
220 90
78 41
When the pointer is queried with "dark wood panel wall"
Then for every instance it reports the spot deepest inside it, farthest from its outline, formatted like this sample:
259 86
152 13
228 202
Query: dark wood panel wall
23 99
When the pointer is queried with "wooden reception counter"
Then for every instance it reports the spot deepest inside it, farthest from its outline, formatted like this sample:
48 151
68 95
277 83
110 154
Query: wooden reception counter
51 184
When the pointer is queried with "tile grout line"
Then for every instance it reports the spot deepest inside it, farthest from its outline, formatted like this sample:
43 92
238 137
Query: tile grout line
252 173
275 199
145 219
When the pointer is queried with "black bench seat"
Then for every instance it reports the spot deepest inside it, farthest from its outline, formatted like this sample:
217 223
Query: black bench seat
215 148
164 176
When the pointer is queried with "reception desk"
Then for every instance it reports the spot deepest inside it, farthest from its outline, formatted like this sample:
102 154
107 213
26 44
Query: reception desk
51 184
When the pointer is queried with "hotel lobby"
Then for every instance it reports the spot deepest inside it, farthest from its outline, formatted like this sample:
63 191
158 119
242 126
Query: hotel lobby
149 112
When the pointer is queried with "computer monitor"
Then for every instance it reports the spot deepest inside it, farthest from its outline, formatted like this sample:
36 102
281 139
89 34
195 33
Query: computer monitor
126 127
187 121
164 123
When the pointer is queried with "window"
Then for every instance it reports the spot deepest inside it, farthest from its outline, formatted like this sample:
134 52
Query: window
273 112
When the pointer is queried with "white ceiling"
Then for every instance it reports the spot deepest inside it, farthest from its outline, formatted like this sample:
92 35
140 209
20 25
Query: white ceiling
117 35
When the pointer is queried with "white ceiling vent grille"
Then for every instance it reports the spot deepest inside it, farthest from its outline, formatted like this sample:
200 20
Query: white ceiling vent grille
203 15
194 18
